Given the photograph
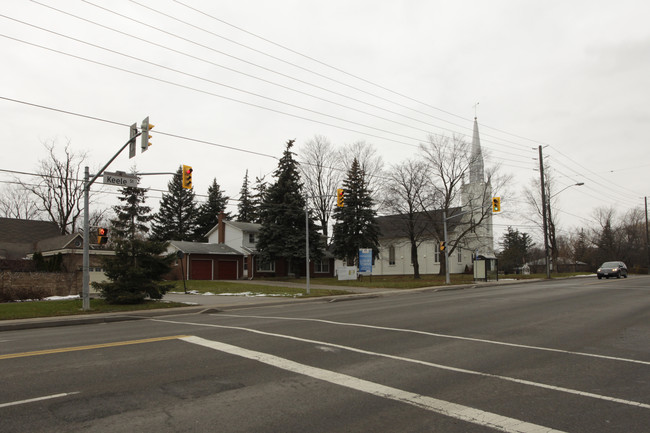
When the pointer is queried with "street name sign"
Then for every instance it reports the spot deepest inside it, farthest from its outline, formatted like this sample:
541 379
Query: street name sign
120 179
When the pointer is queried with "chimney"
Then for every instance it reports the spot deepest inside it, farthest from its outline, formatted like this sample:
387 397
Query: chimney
221 237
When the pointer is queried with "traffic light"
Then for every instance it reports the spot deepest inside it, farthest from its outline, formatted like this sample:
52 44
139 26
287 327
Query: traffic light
442 245
102 235
144 138
340 197
496 204
133 134
187 177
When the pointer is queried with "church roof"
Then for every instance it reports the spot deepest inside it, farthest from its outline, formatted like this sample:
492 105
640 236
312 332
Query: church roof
476 164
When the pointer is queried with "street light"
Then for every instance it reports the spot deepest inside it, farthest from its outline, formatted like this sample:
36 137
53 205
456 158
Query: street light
550 224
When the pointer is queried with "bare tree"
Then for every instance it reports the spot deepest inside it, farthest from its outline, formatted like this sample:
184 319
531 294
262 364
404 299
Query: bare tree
16 203
466 205
409 196
321 175
59 190
535 215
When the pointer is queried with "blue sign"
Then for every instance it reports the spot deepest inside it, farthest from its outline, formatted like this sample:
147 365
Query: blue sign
365 261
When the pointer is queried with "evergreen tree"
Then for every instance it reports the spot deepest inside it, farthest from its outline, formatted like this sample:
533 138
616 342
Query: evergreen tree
208 213
258 198
177 218
515 247
245 208
356 222
137 269
132 217
282 232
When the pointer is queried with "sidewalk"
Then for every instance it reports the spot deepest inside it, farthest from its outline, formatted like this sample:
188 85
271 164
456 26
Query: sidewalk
200 303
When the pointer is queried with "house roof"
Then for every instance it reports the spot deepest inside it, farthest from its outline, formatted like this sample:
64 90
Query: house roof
245 227
203 248
22 231
18 237
394 226
60 242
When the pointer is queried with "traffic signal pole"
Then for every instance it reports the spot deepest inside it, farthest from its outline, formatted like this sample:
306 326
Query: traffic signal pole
86 254
444 226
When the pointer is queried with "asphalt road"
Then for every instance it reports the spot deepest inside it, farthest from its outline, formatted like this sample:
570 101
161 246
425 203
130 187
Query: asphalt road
567 355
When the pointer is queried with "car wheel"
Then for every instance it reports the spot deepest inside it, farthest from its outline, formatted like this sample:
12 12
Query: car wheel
625 276
599 277
618 275
607 277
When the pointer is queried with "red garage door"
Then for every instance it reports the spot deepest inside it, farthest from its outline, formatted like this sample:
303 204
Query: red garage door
227 270
201 270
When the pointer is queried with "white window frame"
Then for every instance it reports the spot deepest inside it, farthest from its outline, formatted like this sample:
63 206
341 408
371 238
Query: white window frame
265 267
391 255
322 266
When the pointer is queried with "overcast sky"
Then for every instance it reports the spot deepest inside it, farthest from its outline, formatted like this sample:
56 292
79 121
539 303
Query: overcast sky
229 82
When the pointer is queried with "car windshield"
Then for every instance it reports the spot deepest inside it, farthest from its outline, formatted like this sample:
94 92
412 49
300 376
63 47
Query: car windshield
610 265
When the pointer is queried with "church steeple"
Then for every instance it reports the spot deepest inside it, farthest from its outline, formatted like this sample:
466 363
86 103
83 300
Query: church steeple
476 164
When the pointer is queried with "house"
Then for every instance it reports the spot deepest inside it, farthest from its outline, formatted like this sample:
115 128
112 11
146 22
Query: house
71 249
563 264
18 237
231 254
206 261
395 247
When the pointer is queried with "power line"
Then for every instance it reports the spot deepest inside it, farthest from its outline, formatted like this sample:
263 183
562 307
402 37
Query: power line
347 96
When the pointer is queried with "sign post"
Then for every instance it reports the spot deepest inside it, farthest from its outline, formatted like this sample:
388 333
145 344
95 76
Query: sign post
365 261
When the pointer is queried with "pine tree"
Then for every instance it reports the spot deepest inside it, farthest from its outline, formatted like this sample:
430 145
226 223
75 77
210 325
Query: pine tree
282 232
208 213
356 222
245 208
176 219
137 269
258 198
132 217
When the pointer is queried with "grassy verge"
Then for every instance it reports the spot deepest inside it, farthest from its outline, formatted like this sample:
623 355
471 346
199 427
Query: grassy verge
227 287
408 282
70 307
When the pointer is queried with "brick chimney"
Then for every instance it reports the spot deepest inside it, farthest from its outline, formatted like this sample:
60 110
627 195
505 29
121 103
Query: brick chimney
221 229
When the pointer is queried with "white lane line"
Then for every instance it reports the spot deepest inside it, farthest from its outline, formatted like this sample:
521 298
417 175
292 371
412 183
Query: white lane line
464 413
32 400
425 363
433 334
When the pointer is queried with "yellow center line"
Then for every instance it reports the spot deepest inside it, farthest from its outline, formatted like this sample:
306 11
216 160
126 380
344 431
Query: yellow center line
90 347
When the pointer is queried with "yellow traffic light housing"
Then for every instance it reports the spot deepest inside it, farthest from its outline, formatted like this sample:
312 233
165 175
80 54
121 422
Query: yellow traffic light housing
145 137
496 204
102 235
340 197
187 177
442 245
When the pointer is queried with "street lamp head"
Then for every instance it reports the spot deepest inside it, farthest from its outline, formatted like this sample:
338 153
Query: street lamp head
580 183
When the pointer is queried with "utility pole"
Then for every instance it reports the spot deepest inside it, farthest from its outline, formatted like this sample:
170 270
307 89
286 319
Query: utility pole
541 173
307 244
647 238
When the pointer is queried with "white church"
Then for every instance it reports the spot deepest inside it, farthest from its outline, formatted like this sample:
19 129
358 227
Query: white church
473 218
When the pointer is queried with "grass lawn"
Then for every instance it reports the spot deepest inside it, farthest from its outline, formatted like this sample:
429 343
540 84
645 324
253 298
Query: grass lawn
69 307
224 287
408 282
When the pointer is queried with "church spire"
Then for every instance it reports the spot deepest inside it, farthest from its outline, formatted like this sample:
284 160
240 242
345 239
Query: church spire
476 162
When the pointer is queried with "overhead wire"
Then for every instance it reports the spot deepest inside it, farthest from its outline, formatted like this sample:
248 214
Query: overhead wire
347 96
144 75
